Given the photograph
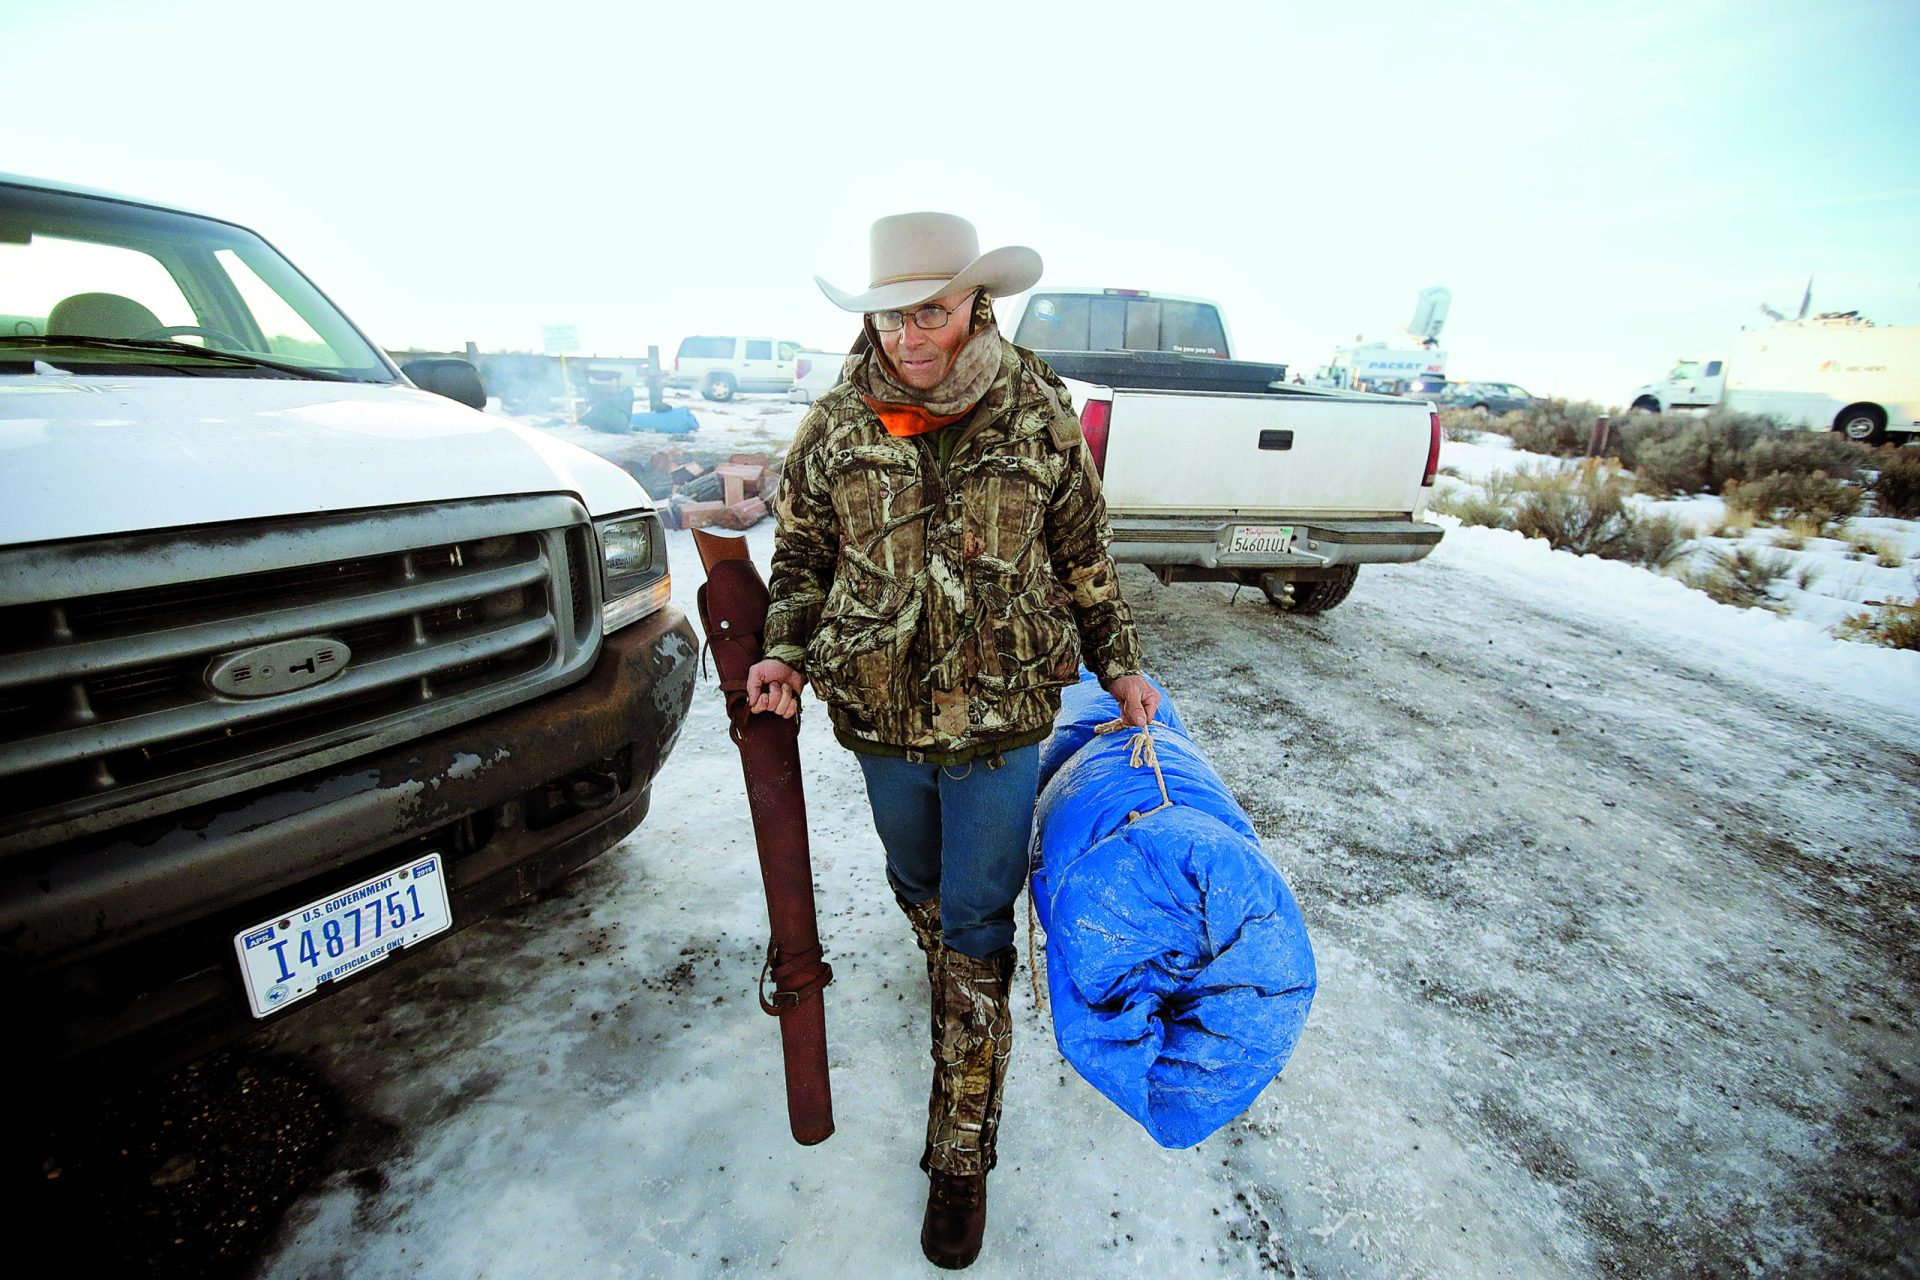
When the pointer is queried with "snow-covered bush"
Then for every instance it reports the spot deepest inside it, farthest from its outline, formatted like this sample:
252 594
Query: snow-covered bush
1695 455
1586 513
1470 506
1799 452
1582 509
1559 427
1893 623
1815 498
1659 540
1461 425
1896 492
1742 577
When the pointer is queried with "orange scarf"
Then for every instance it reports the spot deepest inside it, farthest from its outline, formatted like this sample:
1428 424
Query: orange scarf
903 420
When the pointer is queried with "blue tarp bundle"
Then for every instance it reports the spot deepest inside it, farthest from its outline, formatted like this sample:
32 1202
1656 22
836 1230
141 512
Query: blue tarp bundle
1178 963
677 421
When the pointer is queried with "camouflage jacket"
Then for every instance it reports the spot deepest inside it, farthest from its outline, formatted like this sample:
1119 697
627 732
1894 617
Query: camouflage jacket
939 607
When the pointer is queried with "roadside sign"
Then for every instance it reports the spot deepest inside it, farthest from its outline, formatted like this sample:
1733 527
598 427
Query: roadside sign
560 339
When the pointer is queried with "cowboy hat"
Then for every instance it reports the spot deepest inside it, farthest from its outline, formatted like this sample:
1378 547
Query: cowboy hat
916 257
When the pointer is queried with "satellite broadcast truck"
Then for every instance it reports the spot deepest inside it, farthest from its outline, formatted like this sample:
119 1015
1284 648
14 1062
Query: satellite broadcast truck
1832 372
1390 366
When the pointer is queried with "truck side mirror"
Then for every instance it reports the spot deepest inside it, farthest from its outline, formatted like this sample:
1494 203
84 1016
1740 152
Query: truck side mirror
454 379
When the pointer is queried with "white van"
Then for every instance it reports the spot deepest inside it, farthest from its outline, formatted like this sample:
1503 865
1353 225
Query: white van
1837 373
721 366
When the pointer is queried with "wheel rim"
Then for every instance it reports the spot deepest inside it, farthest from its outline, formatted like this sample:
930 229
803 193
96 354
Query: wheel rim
1860 428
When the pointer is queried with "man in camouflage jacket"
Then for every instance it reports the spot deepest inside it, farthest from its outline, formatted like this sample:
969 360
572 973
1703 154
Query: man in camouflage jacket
940 572
938 606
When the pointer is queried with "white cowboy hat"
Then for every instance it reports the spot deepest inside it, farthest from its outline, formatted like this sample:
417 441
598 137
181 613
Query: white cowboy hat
916 257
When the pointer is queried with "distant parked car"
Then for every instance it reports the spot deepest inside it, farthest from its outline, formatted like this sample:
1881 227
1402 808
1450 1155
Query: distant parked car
1427 386
1491 398
719 367
814 374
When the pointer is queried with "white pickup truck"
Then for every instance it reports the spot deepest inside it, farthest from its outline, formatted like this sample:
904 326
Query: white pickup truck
1219 470
814 374
301 666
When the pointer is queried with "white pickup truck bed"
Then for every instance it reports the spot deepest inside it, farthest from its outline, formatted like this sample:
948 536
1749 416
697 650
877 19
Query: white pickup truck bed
1289 488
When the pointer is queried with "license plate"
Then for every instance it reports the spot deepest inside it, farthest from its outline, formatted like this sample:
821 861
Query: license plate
289 956
1261 539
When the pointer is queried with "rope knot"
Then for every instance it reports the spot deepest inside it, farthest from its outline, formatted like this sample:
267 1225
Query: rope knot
1140 751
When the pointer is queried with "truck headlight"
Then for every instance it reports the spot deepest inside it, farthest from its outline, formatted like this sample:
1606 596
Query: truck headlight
633 570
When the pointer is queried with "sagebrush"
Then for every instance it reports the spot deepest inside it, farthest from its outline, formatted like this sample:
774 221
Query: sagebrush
1678 453
1562 428
1582 509
1742 577
1893 623
1461 425
1896 490
1813 499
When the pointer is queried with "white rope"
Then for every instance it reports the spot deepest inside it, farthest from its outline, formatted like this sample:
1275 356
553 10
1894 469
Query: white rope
1142 752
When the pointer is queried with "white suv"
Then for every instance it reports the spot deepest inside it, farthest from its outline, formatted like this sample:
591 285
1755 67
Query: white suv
721 366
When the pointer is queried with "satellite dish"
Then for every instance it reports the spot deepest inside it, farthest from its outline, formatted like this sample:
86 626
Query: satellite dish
1430 313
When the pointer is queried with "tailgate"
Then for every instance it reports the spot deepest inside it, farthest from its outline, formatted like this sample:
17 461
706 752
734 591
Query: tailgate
1170 451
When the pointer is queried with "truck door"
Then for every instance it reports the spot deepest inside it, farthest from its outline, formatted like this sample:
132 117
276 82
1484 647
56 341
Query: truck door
757 368
1682 385
1713 382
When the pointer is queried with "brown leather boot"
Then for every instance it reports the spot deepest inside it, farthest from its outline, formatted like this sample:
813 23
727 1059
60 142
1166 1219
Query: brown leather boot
956 1218
963 1113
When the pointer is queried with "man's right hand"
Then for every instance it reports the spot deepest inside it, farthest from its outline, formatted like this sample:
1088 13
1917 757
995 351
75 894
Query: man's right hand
774 686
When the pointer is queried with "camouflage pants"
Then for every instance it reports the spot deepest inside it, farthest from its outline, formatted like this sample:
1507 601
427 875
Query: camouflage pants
924 917
973 1037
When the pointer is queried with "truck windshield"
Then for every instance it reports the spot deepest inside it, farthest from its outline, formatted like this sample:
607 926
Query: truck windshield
142 290
1109 322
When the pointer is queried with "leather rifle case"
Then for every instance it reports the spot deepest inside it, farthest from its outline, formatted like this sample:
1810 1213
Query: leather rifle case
733 612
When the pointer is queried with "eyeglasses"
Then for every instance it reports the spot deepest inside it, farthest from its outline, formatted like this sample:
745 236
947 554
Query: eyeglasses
930 316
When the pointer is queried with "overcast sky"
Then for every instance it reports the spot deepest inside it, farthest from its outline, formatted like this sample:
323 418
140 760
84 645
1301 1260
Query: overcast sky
1603 187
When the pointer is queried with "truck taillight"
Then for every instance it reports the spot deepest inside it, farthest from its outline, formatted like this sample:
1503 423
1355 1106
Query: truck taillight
1433 449
800 368
1094 418
676 364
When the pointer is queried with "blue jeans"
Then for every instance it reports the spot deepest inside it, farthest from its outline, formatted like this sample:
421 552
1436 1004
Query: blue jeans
959 831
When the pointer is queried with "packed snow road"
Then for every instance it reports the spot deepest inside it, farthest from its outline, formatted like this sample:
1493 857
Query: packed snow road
1615 919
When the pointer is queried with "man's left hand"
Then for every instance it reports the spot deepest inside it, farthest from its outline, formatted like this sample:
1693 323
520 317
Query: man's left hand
1137 697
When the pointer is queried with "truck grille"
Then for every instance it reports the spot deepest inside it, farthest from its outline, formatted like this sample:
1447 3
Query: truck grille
448 613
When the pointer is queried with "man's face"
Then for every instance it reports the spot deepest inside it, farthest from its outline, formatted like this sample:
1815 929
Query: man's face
923 355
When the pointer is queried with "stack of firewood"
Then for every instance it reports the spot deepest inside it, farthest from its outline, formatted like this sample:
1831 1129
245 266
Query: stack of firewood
732 495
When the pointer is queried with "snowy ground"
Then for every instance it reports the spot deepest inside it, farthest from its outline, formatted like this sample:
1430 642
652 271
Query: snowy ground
1825 581
745 424
1612 891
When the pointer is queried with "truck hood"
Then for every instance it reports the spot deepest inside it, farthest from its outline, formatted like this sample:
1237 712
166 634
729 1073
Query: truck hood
83 456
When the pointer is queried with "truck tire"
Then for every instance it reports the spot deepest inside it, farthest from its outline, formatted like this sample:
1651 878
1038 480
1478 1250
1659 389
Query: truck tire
1646 404
1312 597
1865 423
719 386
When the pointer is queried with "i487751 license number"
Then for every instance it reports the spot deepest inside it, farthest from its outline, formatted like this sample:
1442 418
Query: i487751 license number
288 957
